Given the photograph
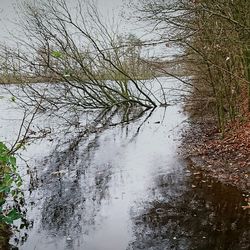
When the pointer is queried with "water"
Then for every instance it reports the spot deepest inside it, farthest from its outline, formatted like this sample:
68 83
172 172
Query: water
121 186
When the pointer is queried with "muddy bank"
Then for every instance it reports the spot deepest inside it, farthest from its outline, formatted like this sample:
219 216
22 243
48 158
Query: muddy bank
227 159
5 234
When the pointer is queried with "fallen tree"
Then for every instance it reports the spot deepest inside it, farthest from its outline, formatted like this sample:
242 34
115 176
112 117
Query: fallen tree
95 66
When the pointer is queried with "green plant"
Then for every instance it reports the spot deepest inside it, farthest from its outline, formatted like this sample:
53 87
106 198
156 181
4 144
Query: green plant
10 182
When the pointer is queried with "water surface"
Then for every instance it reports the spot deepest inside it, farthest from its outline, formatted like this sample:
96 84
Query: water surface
105 185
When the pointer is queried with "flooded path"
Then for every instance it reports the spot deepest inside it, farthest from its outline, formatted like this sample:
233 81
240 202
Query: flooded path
92 189
124 186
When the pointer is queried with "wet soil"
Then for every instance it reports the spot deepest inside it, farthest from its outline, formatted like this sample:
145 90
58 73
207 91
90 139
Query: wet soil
226 159
5 234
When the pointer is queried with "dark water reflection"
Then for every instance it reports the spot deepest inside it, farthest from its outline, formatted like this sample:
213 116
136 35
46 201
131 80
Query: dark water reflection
207 216
123 186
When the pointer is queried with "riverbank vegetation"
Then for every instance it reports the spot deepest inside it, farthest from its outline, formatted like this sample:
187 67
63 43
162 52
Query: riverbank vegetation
11 196
215 40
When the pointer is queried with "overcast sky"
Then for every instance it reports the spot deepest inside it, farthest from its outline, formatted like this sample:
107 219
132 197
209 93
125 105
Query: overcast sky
8 17
8 14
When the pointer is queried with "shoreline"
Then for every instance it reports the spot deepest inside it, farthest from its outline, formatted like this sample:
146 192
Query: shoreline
225 160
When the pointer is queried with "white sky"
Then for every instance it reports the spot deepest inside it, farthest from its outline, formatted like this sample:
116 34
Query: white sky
8 18
8 14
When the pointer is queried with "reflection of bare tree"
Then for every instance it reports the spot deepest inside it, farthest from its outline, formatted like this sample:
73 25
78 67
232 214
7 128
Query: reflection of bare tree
73 184
205 218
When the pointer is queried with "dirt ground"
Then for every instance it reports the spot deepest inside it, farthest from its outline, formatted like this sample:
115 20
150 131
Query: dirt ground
225 159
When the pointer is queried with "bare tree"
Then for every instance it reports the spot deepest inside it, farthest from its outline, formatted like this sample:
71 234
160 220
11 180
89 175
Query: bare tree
96 66
214 37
